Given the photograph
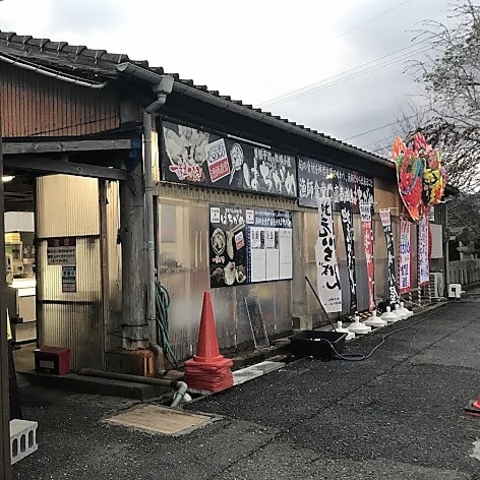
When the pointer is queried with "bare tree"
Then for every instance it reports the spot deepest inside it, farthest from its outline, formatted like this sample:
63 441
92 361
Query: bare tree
450 74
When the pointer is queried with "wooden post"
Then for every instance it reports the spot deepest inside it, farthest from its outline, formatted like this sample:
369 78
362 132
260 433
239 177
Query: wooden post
5 468
299 287
135 327
104 267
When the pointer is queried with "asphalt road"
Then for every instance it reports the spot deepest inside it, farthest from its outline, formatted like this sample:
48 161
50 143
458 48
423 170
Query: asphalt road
398 415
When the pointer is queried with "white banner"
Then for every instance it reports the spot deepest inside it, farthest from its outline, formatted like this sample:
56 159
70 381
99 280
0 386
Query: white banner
423 261
328 277
405 255
366 217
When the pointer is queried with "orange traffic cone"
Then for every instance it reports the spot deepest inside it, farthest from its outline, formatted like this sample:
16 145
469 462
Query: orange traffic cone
208 370
473 408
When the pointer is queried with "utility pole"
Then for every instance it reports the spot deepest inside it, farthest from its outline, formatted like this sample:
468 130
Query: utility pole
5 469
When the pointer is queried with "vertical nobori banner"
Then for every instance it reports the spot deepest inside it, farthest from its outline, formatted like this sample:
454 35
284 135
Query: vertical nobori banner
328 278
366 217
386 219
405 257
346 213
423 249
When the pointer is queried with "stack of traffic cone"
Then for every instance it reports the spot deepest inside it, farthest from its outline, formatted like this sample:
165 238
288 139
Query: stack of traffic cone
473 408
208 370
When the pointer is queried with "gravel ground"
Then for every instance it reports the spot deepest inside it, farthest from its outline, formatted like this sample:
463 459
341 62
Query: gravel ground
398 415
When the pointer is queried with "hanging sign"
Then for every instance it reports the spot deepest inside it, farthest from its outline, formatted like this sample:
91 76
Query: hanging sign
202 158
346 213
405 257
62 251
328 277
69 279
366 217
317 180
386 219
423 249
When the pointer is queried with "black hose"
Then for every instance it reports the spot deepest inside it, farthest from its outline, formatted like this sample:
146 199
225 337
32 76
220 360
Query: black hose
162 304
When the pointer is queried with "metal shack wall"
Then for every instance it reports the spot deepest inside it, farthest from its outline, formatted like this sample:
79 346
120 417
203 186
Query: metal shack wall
35 105
86 320
183 266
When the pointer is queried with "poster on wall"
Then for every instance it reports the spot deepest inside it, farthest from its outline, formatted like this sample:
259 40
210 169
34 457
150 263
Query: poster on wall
386 219
317 180
62 251
346 214
228 250
206 159
366 218
249 245
423 251
69 279
328 278
405 266
270 245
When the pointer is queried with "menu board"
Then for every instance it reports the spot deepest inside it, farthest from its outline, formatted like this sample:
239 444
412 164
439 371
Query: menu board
270 245
202 158
249 245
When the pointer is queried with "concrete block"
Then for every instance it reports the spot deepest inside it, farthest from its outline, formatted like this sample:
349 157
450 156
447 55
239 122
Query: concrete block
23 439
303 322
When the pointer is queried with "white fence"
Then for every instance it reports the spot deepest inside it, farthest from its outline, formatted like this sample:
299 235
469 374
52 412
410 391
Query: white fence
465 272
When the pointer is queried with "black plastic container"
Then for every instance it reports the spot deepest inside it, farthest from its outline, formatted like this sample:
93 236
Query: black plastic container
311 343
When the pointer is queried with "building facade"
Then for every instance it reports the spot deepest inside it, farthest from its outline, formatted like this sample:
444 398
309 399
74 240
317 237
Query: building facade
235 207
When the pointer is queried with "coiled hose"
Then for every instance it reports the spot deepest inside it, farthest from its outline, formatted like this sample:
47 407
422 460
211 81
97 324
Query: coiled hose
162 304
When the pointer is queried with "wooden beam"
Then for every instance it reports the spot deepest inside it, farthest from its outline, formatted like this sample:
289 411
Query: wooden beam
49 166
5 468
22 148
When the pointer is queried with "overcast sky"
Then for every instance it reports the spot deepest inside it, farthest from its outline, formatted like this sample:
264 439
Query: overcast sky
259 50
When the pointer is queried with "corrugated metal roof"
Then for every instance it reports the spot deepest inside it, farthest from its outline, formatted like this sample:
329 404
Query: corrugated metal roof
100 65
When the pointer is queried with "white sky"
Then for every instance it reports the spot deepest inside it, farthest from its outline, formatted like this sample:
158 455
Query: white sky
258 50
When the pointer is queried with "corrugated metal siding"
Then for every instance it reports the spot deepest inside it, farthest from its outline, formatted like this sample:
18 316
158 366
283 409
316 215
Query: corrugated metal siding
73 320
88 274
69 206
187 192
35 105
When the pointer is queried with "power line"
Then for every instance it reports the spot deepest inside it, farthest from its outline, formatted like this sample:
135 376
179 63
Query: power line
366 132
381 127
362 69
371 19
365 71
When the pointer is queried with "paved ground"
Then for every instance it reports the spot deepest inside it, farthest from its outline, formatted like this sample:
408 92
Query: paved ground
396 416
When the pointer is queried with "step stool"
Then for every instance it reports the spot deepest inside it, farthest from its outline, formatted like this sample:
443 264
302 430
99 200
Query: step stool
23 439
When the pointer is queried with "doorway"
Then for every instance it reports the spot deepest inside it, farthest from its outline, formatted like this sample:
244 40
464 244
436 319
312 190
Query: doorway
63 287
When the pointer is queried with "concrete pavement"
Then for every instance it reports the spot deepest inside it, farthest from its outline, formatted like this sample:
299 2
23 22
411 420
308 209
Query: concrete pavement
398 415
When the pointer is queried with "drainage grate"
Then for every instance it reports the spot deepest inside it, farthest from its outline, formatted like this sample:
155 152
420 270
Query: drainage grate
161 420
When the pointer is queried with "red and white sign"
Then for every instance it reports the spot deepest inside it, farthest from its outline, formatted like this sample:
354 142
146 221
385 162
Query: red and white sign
239 240
366 216
62 251
405 265
217 160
